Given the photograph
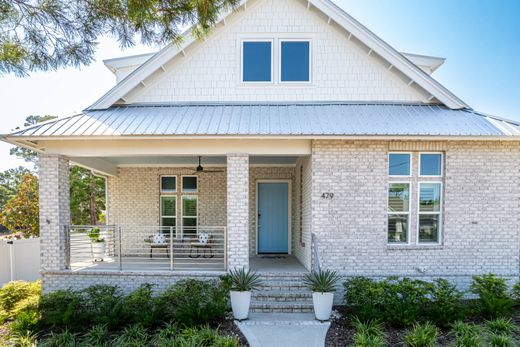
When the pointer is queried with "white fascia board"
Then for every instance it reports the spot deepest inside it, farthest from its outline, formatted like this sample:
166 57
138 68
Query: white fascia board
429 62
115 64
386 51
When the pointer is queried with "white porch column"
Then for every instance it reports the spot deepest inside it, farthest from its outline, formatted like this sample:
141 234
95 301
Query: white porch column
54 211
237 210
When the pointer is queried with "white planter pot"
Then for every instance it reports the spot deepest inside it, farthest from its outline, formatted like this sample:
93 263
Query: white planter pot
240 302
98 251
322 305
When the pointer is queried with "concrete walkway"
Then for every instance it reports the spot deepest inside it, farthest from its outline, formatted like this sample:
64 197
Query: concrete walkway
284 330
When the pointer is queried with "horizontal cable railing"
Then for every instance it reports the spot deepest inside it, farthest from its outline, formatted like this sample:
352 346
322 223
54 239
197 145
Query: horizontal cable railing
148 248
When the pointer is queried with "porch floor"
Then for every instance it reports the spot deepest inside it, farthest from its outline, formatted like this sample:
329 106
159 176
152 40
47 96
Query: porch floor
276 263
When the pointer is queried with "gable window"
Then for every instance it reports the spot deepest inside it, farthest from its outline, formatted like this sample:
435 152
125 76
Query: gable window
257 61
168 184
430 164
399 164
295 61
429 211
189 184
398 212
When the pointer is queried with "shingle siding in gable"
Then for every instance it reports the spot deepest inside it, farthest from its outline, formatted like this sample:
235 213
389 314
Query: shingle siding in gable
341 70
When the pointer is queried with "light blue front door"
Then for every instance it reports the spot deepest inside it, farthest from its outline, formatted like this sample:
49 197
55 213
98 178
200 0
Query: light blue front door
273 218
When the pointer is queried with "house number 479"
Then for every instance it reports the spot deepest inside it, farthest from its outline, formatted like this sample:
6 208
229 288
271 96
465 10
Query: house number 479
327 196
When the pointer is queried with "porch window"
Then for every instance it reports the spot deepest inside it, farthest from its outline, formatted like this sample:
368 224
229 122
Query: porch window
257 61
295 57
429 211
189 215
189 184
168 211
168 184
398 212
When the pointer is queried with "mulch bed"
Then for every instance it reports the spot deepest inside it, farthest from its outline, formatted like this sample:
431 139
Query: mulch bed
228 328
341 332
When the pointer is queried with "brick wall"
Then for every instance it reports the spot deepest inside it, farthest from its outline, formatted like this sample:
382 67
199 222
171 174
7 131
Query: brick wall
481 210
341 70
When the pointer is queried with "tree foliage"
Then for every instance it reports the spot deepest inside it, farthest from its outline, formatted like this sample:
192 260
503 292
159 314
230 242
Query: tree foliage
49 34
26 154
20 213
87 196
9 182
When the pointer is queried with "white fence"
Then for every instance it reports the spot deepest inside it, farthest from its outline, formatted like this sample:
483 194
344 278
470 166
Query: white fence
19 260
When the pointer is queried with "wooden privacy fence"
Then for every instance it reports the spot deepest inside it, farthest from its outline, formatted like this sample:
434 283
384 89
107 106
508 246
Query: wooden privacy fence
19 260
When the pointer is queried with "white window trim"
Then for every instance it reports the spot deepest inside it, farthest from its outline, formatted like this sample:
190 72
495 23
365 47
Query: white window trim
168 191
182 211
190 191
280 41
410 168
419 166
161 209
408 213
256 39
440 213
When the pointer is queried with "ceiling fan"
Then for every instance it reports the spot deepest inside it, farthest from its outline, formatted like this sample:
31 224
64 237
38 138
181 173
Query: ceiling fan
200 169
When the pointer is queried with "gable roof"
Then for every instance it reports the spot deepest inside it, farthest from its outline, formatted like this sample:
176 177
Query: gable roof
375 44
312 120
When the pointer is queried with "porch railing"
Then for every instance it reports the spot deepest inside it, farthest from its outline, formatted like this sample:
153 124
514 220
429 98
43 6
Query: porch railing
147 248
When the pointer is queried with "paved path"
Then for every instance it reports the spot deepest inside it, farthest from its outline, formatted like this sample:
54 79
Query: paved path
284 330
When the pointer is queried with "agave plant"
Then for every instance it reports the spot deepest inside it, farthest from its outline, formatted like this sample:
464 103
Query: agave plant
322 281
244 281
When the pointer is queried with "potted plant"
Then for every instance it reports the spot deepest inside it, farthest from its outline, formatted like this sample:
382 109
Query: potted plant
97 244
242 283
323 285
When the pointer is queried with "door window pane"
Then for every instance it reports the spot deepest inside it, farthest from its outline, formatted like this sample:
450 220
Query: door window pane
429 228
256 61
430 197
397 228
189 184
295 63
168 184
431 164
399 164
398 197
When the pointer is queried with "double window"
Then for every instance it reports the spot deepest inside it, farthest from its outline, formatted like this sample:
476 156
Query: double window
189 203
293 61
427 212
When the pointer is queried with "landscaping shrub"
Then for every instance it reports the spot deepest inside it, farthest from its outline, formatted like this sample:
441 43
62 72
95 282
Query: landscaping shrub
166 336
204 337
101 304
63 308
140 307
493 297
25 322
17 296
422 335
466 335
191 302
23 340
445 306
501 326
64 338
364 296
133 335
515 293
97 336
404 300
500 340
368 334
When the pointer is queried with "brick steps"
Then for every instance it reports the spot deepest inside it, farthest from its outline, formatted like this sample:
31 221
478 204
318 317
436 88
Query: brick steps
282 293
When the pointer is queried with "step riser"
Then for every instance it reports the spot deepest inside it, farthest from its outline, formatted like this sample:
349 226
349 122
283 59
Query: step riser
281 310
281 299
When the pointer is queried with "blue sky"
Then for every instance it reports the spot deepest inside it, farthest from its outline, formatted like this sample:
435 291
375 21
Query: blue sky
479 38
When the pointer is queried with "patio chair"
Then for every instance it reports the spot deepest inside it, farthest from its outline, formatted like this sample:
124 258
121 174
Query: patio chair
158 241
201 243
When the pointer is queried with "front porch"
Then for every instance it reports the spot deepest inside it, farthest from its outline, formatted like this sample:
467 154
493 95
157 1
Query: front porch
241 211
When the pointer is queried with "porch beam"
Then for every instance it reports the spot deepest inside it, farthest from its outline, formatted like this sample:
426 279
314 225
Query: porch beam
98 165
237 247
127 147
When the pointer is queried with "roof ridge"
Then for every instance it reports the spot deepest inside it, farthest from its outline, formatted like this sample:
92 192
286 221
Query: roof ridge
272 103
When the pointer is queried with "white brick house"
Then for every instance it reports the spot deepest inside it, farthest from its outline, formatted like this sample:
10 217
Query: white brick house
320 143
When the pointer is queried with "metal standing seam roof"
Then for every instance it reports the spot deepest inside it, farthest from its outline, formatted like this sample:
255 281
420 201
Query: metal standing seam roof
291 119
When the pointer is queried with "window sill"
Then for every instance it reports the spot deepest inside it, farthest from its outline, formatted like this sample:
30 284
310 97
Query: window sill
413 247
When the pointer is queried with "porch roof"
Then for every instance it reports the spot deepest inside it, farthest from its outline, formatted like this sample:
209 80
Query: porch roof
275 119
